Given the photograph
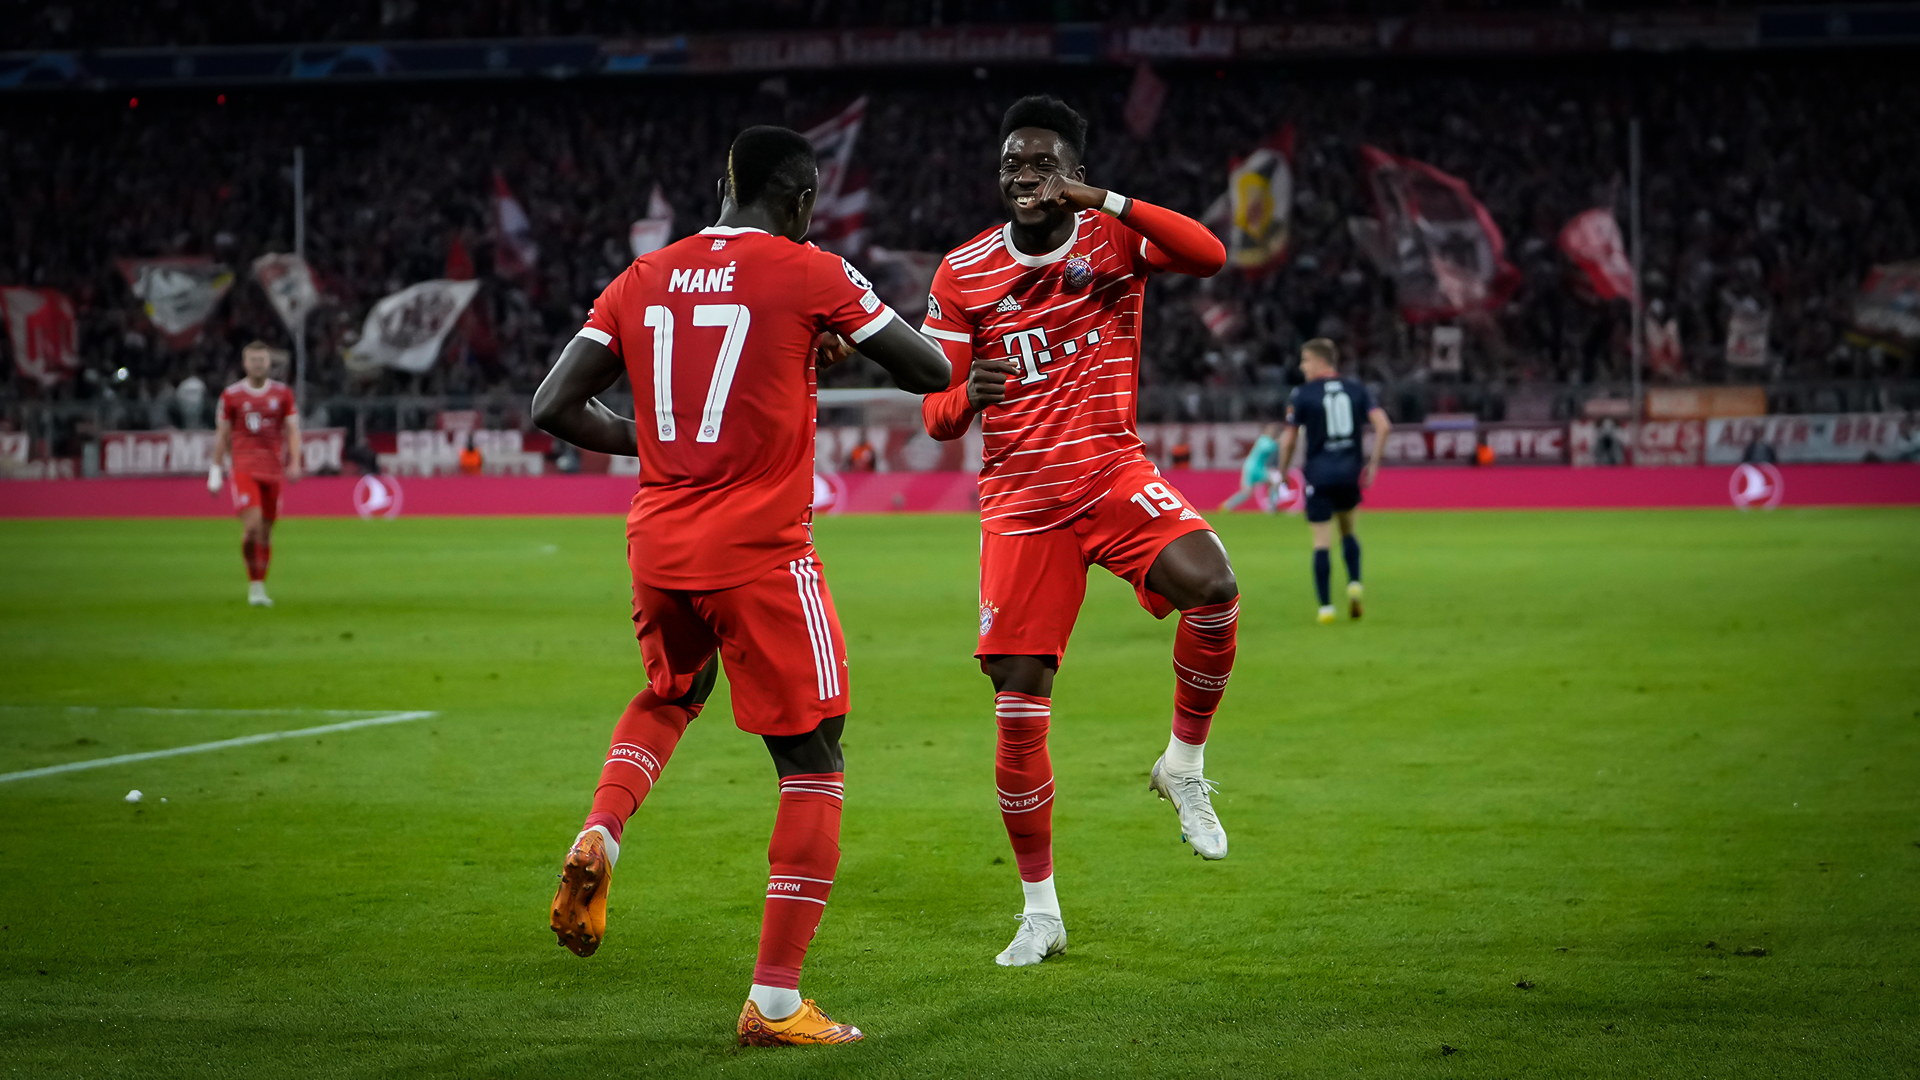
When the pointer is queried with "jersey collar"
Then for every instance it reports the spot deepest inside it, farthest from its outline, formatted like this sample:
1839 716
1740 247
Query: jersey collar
1054 256
730 230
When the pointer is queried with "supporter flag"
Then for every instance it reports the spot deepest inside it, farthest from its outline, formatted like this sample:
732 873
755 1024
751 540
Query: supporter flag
46 344
177 293
1889 301
1144 99
1592 241
840 210
1664 358
514 252
1222 316
288 283
1260 194
405 329
1433 238
655 231
904 279
1747 334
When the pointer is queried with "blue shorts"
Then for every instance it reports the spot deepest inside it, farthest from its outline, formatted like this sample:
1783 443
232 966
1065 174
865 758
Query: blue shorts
1324 500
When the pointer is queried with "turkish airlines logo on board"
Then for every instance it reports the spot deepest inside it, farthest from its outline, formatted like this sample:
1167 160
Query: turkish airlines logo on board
1758 485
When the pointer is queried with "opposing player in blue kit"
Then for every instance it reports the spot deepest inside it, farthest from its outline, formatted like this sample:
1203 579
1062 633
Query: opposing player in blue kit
1327 406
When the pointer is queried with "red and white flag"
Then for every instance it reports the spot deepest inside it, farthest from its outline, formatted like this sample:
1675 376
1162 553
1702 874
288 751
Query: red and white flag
655 231
1433 238
515 251
177 294
840 209
46 346
288 283
1144 99
1889 301
1592 241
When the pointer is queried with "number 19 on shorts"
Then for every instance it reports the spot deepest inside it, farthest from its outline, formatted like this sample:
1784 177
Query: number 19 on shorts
1155 497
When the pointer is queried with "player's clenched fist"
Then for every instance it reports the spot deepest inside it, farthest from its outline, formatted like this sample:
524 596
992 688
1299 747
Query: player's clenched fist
987 382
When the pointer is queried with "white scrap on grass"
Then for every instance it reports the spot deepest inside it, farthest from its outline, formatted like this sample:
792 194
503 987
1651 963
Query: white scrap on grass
134 795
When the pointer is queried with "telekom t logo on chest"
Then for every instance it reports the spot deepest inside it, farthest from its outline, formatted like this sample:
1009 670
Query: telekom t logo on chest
1031 349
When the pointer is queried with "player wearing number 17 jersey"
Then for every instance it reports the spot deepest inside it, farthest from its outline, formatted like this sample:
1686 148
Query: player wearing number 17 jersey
1041 318
719 335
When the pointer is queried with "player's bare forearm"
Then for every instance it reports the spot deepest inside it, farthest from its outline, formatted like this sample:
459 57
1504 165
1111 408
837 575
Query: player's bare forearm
1381 428
915 362
564 406
292 449
1287 439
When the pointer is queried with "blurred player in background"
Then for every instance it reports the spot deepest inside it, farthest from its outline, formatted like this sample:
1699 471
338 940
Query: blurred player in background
259 423
1326 406
1257 470
1041 318
718 334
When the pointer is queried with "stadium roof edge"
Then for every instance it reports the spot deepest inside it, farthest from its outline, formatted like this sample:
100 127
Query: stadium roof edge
1511 34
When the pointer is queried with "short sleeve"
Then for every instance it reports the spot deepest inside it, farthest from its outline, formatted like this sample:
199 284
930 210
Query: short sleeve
1293 400
226 407
843 299
1363 398
946 314
603 321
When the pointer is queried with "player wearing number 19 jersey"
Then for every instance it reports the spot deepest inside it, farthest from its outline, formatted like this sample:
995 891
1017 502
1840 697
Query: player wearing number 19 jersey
1041 318
719 335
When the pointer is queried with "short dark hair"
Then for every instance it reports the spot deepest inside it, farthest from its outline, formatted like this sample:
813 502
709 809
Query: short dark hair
1050 114
767 159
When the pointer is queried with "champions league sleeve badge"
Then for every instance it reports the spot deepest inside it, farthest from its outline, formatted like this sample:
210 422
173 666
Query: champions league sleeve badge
1079 272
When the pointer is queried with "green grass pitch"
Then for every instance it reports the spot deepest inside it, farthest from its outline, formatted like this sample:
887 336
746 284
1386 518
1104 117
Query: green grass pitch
1506 813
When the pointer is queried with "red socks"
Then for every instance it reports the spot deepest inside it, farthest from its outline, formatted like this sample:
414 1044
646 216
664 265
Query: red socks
1202 660
803 855
643 740
1024 775
256 557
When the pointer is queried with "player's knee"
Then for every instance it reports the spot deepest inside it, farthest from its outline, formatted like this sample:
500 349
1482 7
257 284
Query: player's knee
1219 587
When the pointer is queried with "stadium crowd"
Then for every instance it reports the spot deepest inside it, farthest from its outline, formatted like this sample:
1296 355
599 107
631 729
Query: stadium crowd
1766 182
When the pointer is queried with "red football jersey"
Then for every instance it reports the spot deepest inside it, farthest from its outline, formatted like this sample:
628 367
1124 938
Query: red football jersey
717 333
1070 320
258 419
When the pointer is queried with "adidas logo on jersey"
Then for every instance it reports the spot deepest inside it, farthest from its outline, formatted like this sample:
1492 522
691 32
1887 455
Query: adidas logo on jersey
1008 303
1189 515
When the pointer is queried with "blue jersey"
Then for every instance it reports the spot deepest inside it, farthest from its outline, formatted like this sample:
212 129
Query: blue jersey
1259 460
1331 412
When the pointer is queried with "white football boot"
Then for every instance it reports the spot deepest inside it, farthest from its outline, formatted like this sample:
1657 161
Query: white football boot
1192 796
257 594
1040 936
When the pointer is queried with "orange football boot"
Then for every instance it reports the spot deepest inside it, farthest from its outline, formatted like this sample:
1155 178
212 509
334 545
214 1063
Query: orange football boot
808 1027
580 907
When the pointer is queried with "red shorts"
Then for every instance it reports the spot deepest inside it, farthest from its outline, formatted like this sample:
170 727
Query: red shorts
778 638
261 491
1032 584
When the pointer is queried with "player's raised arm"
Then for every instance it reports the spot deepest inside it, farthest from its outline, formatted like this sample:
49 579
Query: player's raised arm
1173 241
565 406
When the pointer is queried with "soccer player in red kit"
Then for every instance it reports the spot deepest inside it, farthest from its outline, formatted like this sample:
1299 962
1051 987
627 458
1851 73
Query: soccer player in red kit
1041 318
719 334
259 423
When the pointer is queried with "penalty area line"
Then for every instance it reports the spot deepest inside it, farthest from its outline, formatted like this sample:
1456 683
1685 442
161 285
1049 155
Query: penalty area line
223 744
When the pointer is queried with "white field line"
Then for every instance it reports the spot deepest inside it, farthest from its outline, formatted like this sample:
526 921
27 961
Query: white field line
200 748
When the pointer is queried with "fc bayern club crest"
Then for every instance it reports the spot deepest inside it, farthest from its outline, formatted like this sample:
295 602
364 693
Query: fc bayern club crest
1079 272
986 618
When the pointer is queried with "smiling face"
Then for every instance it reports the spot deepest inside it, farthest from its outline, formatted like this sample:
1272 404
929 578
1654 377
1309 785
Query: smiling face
1027 158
